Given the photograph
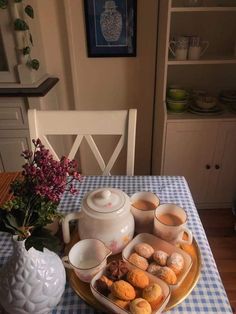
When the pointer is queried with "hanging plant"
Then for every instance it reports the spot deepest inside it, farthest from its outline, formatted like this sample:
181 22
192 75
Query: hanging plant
21 25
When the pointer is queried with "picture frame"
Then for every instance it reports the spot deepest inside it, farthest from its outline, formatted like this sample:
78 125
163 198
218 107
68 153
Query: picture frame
111 27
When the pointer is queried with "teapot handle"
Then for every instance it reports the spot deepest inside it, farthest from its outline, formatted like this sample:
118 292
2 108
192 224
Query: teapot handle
66 227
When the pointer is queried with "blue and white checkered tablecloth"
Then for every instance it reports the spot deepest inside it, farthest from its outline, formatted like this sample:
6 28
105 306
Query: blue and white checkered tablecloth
208 296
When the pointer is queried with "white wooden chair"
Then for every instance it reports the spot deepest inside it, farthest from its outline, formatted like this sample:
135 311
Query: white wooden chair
85 124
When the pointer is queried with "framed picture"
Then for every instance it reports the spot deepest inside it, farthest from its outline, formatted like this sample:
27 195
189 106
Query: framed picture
111 27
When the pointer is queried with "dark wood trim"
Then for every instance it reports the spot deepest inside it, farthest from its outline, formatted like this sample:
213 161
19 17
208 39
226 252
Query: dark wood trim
39 91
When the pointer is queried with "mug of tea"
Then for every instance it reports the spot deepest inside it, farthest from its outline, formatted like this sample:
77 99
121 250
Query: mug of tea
170 224
87 257
143 206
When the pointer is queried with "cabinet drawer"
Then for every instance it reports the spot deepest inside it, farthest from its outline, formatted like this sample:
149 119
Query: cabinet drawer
12 143
13 116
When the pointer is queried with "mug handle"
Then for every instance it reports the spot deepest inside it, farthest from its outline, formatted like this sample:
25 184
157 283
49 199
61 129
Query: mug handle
66 226
190 236
65 261
207 44
171 50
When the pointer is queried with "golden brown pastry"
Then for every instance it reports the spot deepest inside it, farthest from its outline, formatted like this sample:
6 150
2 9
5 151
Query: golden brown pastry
140 306
121 303
160 257
123 290
153 294
139 261
153 268
176 262
167 274
138 278
144 249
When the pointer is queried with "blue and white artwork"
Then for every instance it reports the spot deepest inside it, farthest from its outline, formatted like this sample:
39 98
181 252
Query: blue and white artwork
111 26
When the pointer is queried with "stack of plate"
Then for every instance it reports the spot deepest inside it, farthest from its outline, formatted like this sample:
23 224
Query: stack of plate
193 108
228 97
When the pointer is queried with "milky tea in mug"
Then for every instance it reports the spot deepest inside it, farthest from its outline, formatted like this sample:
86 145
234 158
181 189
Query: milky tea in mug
170 224
143 206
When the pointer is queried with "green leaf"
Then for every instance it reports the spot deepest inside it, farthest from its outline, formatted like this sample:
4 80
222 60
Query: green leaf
20 25
12 221
26 50
3 4
29 11
35 64
42 238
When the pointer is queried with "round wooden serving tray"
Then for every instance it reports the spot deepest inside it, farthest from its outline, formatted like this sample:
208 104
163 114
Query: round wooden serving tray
177 296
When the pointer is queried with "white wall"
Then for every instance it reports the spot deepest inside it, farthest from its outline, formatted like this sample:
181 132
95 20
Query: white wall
101 83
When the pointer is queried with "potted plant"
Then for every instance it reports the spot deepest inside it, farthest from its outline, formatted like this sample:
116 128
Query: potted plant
34 269
24 38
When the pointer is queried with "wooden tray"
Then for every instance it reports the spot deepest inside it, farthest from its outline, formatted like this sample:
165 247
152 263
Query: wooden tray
177 296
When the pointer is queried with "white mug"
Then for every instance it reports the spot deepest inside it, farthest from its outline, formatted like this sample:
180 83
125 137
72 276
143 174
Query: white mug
143 206
170 224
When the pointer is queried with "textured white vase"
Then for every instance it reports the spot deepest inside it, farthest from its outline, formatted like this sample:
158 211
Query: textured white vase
31 281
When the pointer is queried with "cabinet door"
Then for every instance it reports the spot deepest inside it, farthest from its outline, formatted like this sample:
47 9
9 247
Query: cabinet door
189 152
225 164
12 143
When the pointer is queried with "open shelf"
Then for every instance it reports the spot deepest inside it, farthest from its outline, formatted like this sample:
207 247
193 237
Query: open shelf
203 9
33 91
229 60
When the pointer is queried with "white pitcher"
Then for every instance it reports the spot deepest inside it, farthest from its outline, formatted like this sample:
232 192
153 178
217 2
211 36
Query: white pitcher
105 215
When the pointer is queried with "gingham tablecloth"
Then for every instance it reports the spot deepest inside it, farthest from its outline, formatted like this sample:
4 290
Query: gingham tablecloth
208 296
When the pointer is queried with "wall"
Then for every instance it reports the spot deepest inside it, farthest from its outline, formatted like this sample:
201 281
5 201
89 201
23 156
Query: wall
102 83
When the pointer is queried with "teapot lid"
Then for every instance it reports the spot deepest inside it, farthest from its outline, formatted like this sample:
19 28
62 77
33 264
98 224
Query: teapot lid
105 202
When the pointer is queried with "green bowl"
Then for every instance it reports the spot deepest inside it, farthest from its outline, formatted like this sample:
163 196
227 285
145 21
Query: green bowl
177 106
177 94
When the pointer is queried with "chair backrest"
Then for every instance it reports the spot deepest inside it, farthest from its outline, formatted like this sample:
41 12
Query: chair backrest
85 124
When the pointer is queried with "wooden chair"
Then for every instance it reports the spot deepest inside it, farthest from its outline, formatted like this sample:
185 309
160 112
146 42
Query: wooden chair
85 124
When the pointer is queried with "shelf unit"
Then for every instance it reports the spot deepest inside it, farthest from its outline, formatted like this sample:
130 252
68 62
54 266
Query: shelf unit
203 9
215 71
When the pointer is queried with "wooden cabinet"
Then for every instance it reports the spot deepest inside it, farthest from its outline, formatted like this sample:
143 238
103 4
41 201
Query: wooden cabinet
14 133
12 143
200 147
203 152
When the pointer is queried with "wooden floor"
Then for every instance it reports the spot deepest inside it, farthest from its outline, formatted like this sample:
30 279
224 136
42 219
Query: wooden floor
219 228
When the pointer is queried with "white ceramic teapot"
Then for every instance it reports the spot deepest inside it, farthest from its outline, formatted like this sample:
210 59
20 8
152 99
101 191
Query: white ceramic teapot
105 215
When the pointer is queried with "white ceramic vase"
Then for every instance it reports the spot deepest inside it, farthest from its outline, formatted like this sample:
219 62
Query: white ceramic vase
31 281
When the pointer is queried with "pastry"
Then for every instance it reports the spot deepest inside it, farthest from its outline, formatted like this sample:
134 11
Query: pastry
139 261
144 250
116 270
153 268
160 257
120 303
153 294
138 278
123 290
140 306
103 285
167 274
176 262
